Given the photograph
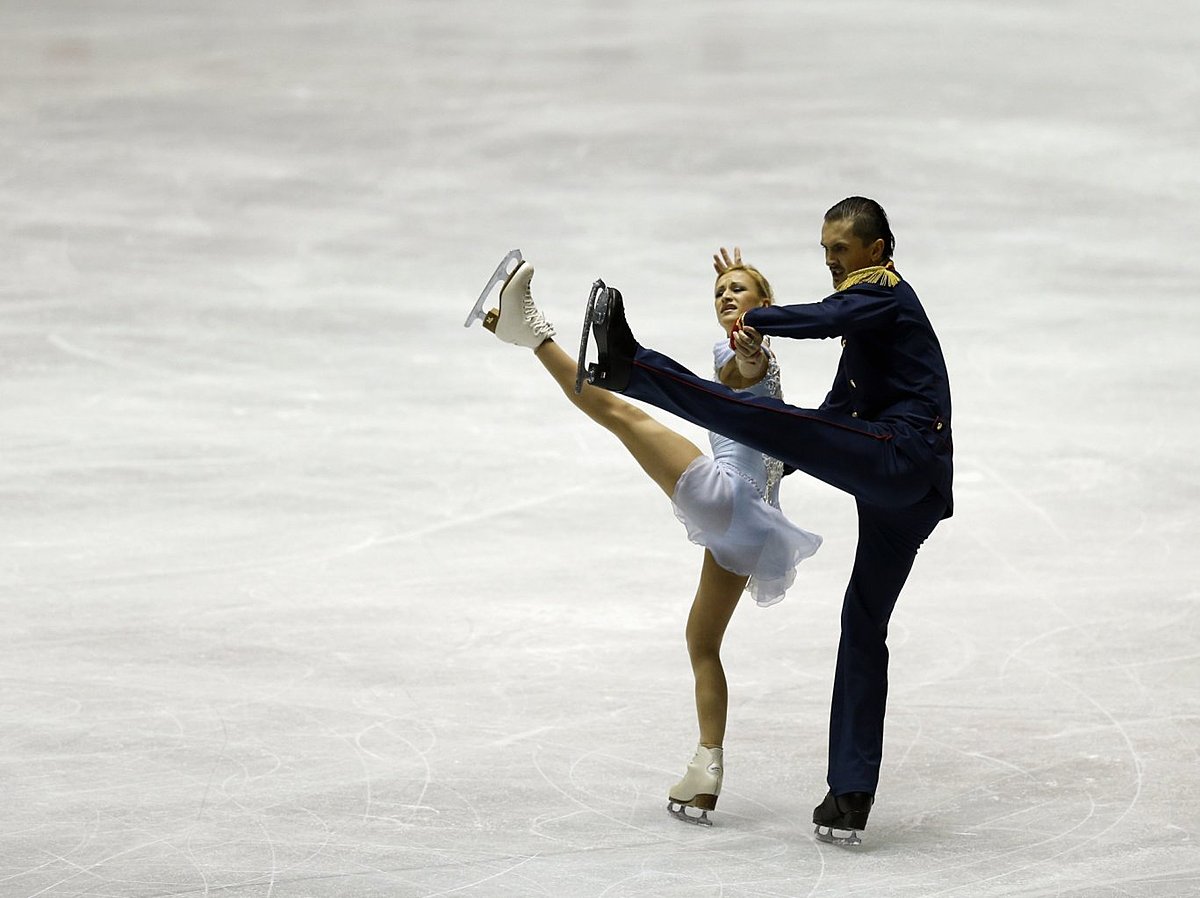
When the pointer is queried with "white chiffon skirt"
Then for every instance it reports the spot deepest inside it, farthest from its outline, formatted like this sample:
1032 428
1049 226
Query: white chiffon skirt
723 512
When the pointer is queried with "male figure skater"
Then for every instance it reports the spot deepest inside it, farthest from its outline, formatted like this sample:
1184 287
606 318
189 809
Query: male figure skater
882 434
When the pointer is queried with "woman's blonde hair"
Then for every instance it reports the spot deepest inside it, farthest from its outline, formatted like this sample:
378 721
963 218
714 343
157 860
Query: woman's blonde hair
764 286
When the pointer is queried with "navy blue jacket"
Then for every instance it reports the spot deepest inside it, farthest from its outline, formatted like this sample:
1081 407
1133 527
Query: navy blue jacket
891 371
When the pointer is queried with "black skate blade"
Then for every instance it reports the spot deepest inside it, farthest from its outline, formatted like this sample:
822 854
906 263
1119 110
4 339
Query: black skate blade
679 811
583 372
847 838
500 275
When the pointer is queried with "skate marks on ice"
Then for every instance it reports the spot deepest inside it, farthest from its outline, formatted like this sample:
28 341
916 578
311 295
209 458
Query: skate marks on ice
1046 784
626 794
991 836
475 763
612 804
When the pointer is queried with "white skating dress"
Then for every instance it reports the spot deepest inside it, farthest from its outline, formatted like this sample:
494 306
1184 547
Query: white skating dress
730 505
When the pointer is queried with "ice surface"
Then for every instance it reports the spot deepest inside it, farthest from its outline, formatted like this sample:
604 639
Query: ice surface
309 591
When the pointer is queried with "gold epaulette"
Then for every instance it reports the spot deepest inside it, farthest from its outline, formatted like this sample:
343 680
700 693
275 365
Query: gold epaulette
876 274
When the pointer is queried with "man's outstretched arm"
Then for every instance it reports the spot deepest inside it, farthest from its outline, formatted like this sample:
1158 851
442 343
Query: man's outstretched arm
863 307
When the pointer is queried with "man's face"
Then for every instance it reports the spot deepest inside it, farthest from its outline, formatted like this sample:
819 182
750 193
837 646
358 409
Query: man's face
845 252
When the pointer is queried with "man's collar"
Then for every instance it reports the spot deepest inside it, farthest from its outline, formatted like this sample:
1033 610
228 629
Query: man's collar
876 274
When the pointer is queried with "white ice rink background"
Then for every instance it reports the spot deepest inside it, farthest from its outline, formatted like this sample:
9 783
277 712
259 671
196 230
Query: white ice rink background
308 591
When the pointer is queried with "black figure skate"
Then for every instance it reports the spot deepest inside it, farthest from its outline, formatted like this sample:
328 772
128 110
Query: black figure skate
840 818
615 346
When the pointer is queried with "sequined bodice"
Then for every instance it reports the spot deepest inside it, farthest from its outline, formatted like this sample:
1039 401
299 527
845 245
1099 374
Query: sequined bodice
761 470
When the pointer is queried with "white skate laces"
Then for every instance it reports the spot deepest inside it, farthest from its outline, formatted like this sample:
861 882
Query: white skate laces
695 795
518 320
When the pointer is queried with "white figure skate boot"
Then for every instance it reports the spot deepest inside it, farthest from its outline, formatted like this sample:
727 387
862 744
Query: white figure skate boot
518 320
699 787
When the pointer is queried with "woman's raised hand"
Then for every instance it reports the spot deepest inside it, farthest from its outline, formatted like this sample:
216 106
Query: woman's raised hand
722 262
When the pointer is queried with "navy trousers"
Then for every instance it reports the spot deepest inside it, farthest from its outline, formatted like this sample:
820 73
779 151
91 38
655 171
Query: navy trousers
897 509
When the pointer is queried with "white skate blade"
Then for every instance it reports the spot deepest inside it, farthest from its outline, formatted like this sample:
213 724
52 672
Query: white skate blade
499 276
847 838
679 811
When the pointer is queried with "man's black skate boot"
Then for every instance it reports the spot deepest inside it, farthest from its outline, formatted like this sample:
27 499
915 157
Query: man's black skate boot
839 818
614 342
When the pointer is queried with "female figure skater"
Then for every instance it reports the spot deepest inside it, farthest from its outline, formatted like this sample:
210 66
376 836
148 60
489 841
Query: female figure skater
729 503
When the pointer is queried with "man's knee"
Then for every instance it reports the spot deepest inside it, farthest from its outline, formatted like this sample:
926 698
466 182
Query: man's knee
865 618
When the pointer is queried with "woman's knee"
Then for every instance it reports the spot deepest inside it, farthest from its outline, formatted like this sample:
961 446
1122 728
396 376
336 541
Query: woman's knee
703 645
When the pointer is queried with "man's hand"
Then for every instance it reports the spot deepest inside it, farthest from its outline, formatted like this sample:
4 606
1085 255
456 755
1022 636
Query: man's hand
749 362
722 263
745 341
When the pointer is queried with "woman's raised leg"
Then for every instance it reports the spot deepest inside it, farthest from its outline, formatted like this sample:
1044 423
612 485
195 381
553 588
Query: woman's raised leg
662 453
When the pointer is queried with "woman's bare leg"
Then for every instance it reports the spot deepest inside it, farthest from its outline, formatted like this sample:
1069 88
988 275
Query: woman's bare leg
662 453
716 598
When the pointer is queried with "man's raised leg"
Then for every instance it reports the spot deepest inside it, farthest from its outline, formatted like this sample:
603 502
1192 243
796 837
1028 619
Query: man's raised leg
853 455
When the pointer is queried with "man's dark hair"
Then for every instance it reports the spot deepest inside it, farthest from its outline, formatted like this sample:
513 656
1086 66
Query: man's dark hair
870 222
